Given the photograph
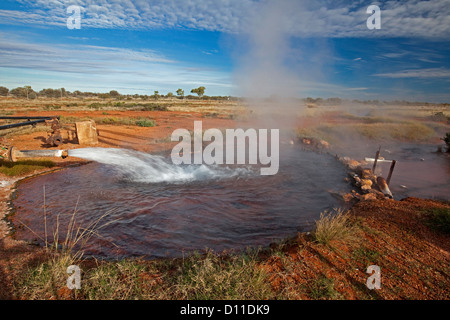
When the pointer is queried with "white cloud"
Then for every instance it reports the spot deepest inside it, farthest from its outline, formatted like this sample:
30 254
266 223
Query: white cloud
91 67
413 18
417 73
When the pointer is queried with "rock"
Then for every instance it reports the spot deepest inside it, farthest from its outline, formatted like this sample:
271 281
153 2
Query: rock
350 163
316 143
368 196
367 174
324 144
366 182
348 197
378 194
365 188
384 187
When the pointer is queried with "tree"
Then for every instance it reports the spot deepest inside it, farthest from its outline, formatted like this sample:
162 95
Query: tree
169 95
20 92
4 91
156 95
51 93
114 93
180 93
200 91
28 90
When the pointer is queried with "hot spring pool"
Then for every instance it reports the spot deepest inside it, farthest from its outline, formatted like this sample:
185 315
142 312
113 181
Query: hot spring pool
157 209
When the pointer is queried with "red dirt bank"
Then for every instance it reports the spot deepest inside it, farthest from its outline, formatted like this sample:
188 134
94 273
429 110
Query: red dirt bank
414 259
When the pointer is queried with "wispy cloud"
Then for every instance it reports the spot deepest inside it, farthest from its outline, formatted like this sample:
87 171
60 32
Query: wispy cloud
97 66
413 18
70 58
417 73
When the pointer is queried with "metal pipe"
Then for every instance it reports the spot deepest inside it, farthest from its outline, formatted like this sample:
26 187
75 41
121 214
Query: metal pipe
21 124
23 117
20 154
376 160
388 180
384 187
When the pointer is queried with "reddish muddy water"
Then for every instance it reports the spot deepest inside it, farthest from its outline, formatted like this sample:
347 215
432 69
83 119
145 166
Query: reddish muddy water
157 209
220 208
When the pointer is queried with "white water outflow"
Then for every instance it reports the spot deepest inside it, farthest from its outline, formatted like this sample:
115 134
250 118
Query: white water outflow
146 168
164 210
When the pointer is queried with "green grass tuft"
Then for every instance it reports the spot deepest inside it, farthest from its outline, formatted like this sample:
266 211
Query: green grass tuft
145 122
18 168
323 288
439 219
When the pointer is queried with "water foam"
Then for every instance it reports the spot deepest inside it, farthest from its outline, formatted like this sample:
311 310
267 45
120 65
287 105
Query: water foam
143 167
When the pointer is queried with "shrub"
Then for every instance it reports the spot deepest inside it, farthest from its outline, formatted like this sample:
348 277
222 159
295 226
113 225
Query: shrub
145 123
333 226
446 139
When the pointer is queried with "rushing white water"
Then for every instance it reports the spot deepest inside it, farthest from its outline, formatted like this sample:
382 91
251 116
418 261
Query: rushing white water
143 167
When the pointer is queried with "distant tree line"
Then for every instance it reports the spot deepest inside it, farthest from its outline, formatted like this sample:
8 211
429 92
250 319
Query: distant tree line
339 101
28 93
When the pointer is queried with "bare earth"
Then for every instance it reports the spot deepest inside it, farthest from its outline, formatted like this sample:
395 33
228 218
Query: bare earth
414 259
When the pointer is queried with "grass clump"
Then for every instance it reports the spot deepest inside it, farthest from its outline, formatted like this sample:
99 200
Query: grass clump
145 122
213 277
122 280
18 168
438 219
98 105
323 288
366 256
152 107
48 279
334 226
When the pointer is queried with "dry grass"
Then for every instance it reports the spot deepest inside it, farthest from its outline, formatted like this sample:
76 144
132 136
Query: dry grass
334 226
213 277
199 277
400 131
45 280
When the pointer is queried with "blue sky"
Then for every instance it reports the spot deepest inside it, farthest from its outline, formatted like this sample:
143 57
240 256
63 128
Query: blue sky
232 47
